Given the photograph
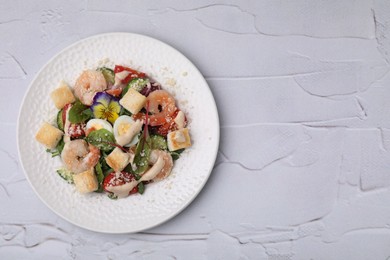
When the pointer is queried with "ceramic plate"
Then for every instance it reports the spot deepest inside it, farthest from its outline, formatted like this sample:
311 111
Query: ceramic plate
161 201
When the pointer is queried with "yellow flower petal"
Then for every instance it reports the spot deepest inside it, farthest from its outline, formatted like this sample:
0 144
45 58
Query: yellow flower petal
114 106
99 111
112 117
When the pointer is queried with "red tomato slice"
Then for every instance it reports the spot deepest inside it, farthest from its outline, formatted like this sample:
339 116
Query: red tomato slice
114 92
133 73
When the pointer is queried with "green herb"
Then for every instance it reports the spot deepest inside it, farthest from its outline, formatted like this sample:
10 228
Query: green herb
66 175
124 91
108 74
141 188
57 151
143 149
180 151
107 172
125 112
88 112
142 154
60 123
77 114
112 196
129 169
54 153
176 154
158 142
102 139
137 176
99 176
105 167
60 145
137 84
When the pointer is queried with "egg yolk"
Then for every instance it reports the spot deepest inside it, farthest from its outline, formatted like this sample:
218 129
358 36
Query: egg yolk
123 128
97 127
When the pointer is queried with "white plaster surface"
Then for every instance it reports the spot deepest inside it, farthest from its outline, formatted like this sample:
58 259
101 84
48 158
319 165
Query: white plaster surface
303 92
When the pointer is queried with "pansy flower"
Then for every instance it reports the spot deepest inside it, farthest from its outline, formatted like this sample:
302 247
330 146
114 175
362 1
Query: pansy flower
105 106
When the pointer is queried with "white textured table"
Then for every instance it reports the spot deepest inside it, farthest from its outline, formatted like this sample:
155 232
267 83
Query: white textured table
303 92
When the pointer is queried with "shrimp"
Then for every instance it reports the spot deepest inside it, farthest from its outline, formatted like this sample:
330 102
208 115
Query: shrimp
162 166
78 156
88 84
162 106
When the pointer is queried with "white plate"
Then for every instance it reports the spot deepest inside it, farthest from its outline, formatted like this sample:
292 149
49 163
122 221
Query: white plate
161 201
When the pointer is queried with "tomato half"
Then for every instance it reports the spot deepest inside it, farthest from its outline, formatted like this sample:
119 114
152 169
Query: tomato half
76 130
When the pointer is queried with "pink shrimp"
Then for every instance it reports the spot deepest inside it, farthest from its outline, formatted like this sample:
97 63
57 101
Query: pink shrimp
88 84
78 156
161 106
168 163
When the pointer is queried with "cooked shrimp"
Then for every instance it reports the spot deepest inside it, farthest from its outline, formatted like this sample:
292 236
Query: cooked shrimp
161 106
78 156
88 84
162 166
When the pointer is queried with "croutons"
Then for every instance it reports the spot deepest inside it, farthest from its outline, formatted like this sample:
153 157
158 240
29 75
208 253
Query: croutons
118 159
133 101
49 135
62 95
178 139
86 181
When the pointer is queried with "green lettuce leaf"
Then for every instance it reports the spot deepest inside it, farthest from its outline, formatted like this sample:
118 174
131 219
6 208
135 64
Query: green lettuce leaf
102 139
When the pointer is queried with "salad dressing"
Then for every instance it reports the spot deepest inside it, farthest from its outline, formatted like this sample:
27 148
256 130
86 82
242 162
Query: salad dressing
122 191
152 172
180 120
119 76
126 137
66 126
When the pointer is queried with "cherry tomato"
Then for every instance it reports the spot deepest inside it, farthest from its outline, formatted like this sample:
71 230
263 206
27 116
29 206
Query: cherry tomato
76 130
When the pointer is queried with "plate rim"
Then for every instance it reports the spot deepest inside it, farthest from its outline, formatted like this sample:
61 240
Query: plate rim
167 217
